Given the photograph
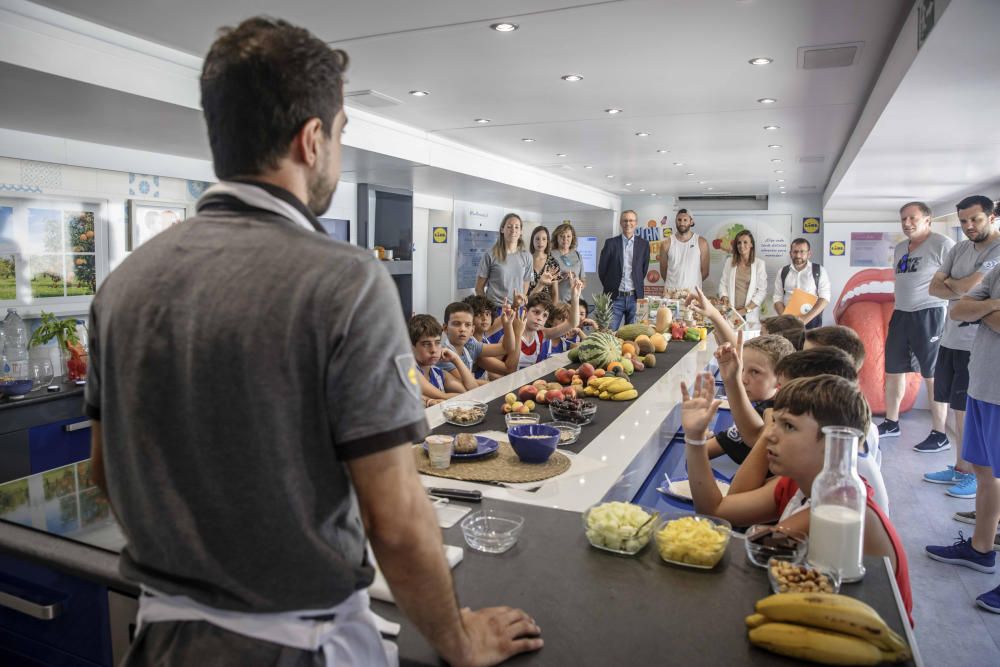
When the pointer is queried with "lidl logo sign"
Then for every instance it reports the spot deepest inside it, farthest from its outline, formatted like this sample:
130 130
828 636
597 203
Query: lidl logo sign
440 234
837 248
810 225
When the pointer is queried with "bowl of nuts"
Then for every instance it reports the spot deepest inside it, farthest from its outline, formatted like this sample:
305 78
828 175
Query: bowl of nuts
568 432
789 577
464 413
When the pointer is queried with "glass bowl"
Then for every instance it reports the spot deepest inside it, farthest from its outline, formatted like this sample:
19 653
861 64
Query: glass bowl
564 413
801 576
519 418
568 432
492 531
693 540
762 543
608 533
464 413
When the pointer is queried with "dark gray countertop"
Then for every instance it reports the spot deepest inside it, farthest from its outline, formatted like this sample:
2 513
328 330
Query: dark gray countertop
596 608
66 390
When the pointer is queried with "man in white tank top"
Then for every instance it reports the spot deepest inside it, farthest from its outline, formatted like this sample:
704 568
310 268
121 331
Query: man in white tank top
684 256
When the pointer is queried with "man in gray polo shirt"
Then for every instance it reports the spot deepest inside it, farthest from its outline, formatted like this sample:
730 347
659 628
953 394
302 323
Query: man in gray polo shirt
254 400
964 267
917 321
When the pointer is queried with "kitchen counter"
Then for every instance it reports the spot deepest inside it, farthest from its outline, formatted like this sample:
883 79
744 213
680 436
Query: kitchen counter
596 608
66 390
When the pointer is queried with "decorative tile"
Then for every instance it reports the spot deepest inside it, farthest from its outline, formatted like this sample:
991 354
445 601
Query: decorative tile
8 187
41 174
196 188
144 185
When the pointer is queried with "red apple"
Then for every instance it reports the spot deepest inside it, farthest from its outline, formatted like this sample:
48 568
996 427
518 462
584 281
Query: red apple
527 393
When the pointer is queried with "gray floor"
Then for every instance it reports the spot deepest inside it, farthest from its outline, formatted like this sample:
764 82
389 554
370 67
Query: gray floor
950 629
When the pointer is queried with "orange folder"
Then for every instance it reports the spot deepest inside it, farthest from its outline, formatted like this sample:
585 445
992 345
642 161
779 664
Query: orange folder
800 303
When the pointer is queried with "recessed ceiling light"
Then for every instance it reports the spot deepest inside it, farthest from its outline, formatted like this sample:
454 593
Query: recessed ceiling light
779 171
419 93
709 188
779 180
678 164
767 100
760 61
587 166
611 176
504 27
642 134
690 173
702 182
482 121
774 145
776 160
642 189
612 111
652 194
772 127
560 155
527 140
662 150
572 78
627 184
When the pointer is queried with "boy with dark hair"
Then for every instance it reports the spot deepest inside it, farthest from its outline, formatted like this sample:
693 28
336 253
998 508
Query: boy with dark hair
747 371
435 384
459 337
817 361
795 444
840 337
536 339
788 326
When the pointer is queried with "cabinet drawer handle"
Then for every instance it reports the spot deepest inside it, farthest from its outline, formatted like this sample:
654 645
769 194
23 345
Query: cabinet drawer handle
45 612
77 426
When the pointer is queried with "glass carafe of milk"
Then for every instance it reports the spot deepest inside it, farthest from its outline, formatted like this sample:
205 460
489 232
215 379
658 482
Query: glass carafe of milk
838 506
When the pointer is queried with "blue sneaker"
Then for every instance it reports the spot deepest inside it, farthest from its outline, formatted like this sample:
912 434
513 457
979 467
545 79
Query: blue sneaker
962 553
990 601
947 476
966 488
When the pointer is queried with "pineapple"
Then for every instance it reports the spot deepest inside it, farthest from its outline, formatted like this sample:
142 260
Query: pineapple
602 312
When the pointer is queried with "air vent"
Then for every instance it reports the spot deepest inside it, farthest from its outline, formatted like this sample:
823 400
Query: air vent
371 98
724 202
829 55
807 159
807 187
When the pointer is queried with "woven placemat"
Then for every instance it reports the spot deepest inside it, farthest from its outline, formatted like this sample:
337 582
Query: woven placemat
504 466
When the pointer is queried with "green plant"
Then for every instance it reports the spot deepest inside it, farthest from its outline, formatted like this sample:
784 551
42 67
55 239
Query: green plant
62 330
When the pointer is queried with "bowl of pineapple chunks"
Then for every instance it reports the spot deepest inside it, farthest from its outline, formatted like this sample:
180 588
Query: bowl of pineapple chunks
693 540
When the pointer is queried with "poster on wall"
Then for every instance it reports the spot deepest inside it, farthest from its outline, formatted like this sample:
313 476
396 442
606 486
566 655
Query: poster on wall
772 236
654 231
472 245
587 247
873 249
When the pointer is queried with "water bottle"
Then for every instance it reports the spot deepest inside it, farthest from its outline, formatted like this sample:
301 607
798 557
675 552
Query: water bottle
838 507
16 345
82 336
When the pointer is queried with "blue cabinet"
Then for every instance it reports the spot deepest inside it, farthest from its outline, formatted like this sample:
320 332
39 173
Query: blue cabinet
58 444
77 630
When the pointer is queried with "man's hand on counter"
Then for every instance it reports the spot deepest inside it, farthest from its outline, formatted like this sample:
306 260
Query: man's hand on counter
404 534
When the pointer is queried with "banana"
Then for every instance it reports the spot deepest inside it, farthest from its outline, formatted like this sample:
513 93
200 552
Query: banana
594 381
829 648
604 396
619 385
829 611
625 395
756 620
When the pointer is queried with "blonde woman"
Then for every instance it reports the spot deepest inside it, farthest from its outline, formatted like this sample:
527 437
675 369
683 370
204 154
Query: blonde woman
505 270
744 279
568 258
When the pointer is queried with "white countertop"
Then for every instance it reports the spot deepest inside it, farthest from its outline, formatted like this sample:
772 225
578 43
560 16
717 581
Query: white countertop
628 448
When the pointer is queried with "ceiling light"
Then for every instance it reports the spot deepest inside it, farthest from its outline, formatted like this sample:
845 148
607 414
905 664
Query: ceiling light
572 78
779 180
662 150
776 160
527 140
760 61
611 176
504 27
587 166
779 171
419 93
690 173
702 182
627 184
774 145
708 188
560 155
612 111
678 164
767 100
652 194
482 121
642 189
772 127
642 134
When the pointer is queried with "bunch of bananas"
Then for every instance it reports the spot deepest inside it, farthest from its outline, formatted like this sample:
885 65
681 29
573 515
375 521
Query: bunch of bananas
610 388
826 628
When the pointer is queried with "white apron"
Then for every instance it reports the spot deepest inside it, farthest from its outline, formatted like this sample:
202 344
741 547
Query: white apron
351 639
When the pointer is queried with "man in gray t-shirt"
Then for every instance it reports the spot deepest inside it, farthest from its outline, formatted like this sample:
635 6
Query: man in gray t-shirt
917 322
964 267
254 398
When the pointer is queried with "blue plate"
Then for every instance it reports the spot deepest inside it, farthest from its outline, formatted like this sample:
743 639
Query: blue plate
485 447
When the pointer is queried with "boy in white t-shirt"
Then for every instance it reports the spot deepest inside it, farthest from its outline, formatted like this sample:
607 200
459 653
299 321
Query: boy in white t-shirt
535 338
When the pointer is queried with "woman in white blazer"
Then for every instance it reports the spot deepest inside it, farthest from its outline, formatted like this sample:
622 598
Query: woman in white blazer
744 279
